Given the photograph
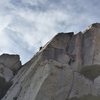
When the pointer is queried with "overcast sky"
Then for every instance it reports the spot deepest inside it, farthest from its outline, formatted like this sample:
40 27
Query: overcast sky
25 25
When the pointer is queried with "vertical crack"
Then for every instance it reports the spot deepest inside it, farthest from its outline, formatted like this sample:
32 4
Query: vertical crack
71 87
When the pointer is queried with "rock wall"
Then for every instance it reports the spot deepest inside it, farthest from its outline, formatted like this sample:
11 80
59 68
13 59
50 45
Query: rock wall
9 64
66 68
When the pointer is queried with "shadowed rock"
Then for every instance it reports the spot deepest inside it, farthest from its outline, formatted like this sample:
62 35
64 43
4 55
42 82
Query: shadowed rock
11 61
91 71
9 66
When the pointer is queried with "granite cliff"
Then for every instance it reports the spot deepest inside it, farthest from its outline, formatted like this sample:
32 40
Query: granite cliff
66 68
9 66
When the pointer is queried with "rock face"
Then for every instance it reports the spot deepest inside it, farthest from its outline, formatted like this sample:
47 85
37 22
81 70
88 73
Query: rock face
11 61
9 64
66 68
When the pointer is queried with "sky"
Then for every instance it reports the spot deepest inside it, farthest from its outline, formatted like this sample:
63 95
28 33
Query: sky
26 25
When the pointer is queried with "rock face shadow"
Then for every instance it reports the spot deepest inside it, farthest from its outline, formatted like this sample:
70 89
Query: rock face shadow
86 97
4 86
91 71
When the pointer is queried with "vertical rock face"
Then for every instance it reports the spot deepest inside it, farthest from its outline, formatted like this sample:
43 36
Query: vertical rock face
9 64
11 61
66 68
91 45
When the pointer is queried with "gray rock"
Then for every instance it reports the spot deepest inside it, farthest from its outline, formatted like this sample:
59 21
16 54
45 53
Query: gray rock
9 65
66 68
11 61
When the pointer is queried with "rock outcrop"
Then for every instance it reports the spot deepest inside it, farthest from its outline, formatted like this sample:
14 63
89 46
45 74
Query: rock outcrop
11 61
9 65
66 68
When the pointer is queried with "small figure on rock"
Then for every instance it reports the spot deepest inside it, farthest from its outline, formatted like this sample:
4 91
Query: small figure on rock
40 48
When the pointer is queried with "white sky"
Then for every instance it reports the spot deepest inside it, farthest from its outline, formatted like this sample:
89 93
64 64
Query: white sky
25 25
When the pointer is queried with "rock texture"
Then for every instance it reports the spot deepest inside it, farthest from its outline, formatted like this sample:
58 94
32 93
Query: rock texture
66 68
11 61
9 64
